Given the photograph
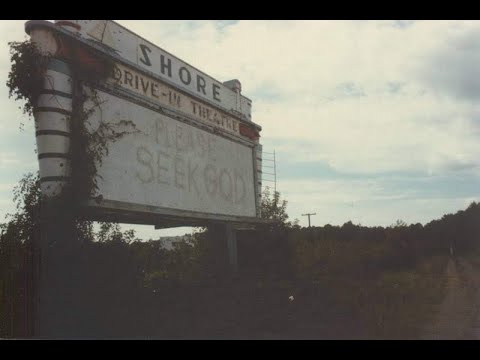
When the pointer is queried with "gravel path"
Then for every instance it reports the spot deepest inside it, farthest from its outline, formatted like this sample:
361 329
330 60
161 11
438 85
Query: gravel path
458 316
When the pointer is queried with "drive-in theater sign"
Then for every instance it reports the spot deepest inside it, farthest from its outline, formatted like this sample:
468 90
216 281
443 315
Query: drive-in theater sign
194 155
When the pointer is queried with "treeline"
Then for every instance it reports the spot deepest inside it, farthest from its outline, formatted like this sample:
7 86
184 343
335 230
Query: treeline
352 247
345 281
359 249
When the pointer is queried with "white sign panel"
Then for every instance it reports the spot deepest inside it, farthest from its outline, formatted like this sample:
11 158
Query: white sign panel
163 94
139 51
171 164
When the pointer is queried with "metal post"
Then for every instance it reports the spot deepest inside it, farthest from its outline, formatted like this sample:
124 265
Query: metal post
232 248
56 253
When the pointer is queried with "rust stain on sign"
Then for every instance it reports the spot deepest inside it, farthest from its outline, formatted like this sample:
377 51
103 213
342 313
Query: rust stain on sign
161 93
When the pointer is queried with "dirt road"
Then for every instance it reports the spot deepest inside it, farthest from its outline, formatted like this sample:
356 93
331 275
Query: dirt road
458 316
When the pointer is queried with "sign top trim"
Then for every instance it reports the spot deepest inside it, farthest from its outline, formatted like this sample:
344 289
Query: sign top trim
128 45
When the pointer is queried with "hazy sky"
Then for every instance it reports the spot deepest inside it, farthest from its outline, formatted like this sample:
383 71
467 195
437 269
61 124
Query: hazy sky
371 121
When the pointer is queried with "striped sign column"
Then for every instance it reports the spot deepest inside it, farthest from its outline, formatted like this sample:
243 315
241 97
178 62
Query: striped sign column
53 129
52 114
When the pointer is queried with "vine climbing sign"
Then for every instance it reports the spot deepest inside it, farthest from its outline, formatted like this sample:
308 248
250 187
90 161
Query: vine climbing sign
144 137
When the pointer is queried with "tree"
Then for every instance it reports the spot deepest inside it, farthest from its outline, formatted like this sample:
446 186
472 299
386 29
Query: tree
23 224
19 236
273 208
399 224
16 240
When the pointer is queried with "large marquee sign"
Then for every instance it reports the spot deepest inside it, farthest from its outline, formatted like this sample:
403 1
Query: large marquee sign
195 154
172 164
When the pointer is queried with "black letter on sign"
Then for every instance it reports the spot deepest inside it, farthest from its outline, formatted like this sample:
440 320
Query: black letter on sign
145 59
215 89
201 84
238 179
164 65
145 157
117 74
191 178
184 70
227 195
210 179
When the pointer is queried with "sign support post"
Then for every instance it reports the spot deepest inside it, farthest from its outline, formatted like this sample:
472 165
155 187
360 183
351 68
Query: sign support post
54 292
54 248
232 247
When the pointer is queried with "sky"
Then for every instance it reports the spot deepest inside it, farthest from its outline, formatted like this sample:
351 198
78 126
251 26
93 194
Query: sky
371 121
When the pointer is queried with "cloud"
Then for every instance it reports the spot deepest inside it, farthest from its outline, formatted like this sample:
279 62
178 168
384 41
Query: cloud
403 23
357 111
346 102
451 69
355 88
6 186
374 202
8 159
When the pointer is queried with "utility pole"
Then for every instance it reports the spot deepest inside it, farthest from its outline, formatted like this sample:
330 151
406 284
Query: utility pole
309 214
